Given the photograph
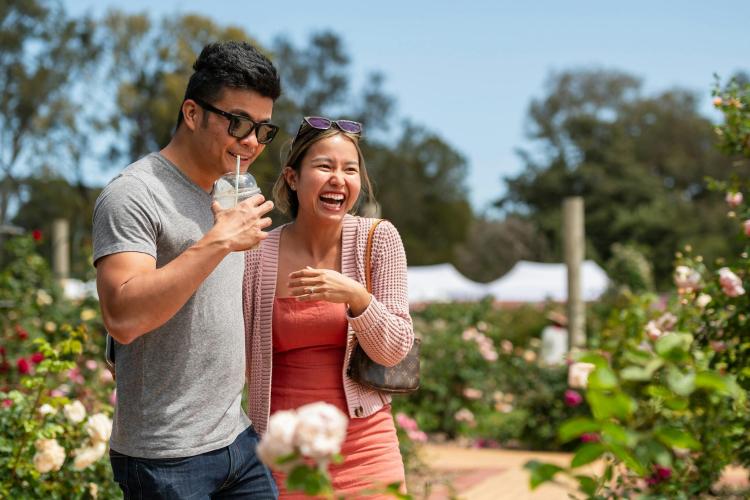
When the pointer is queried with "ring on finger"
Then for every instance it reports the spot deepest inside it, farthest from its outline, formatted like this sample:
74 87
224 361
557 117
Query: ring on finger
310 290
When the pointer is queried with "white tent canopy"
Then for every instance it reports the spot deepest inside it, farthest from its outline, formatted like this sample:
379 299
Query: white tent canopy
442 283
537 282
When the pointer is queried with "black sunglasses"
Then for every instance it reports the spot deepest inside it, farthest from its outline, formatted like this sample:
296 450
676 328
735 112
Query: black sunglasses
242 126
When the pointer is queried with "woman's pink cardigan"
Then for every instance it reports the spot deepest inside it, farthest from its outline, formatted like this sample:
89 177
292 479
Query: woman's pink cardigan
384 329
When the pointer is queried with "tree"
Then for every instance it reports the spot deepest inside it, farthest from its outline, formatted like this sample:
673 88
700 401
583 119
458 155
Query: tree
44 57
639 162
49 196
420 188
419 176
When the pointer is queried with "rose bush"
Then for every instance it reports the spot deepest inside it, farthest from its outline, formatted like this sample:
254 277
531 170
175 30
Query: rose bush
54 417
669 392
481 377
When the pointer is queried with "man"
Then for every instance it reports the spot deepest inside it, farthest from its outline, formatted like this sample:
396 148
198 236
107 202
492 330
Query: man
169 275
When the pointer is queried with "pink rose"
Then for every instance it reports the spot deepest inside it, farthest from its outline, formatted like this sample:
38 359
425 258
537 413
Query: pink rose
734 200
405 422
746 225
730 283
573 398
417 436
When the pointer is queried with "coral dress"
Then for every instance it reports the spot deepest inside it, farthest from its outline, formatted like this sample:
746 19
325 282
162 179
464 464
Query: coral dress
309 341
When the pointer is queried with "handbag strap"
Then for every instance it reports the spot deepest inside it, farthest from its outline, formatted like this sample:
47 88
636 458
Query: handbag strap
368 255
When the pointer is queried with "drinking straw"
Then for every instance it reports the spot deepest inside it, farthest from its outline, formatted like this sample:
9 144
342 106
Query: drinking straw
237 182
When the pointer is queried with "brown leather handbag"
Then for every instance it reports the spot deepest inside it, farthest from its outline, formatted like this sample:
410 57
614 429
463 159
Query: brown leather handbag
399 379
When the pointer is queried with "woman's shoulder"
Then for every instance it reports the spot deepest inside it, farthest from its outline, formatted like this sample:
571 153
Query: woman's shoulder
384 225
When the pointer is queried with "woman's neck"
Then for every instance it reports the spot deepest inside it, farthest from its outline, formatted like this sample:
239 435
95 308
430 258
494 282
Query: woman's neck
319 241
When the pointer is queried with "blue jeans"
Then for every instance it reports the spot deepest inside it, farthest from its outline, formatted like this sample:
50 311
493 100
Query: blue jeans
230 472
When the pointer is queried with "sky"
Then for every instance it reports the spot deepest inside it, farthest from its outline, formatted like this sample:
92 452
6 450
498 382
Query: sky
469 72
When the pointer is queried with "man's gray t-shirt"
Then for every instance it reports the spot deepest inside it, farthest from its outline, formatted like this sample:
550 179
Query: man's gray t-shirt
179 387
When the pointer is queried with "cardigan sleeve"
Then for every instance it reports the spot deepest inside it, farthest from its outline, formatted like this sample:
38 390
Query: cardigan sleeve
248 282
384 329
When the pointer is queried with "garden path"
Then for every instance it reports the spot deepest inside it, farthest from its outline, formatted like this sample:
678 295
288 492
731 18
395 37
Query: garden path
493 474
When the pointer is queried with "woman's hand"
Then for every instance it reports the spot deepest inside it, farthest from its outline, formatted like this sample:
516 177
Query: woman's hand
331 286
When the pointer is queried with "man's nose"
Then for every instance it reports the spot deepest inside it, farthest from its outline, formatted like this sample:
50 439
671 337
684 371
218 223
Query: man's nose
250 140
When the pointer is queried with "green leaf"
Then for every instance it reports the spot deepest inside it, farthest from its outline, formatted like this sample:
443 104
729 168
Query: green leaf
595 359
628 459
641 374
575 427
587 485
614 433
712 382
602 378
677 438
682 384
607 405
541 472
587 453
673 346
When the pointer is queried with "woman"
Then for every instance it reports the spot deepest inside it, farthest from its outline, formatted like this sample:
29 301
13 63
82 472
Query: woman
306 306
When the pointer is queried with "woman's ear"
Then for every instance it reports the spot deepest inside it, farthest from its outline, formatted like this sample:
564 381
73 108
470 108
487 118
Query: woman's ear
290 176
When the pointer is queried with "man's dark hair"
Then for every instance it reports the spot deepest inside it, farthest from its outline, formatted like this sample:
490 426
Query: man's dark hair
232 64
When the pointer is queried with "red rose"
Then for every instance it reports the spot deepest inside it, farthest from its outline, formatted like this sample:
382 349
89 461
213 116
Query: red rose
36 234
7 403
37 358
2 351
23 366
22 333
590 437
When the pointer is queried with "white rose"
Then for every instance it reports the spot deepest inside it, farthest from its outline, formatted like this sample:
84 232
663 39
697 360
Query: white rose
49 456
465 415
471 393
43 298
93 490
703 300
321 428
75 412
99 427
278 441
46 409
88 455
578 375
652 330
686 278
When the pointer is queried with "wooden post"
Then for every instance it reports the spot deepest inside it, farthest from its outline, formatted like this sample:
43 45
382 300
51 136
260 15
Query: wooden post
60 249
575 242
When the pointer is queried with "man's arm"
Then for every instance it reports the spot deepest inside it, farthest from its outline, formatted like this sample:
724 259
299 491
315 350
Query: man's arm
136 297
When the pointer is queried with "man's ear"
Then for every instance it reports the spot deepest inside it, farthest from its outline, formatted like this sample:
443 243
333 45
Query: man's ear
190 114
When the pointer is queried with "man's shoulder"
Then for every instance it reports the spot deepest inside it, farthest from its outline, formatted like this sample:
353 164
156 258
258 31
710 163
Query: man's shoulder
138 177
